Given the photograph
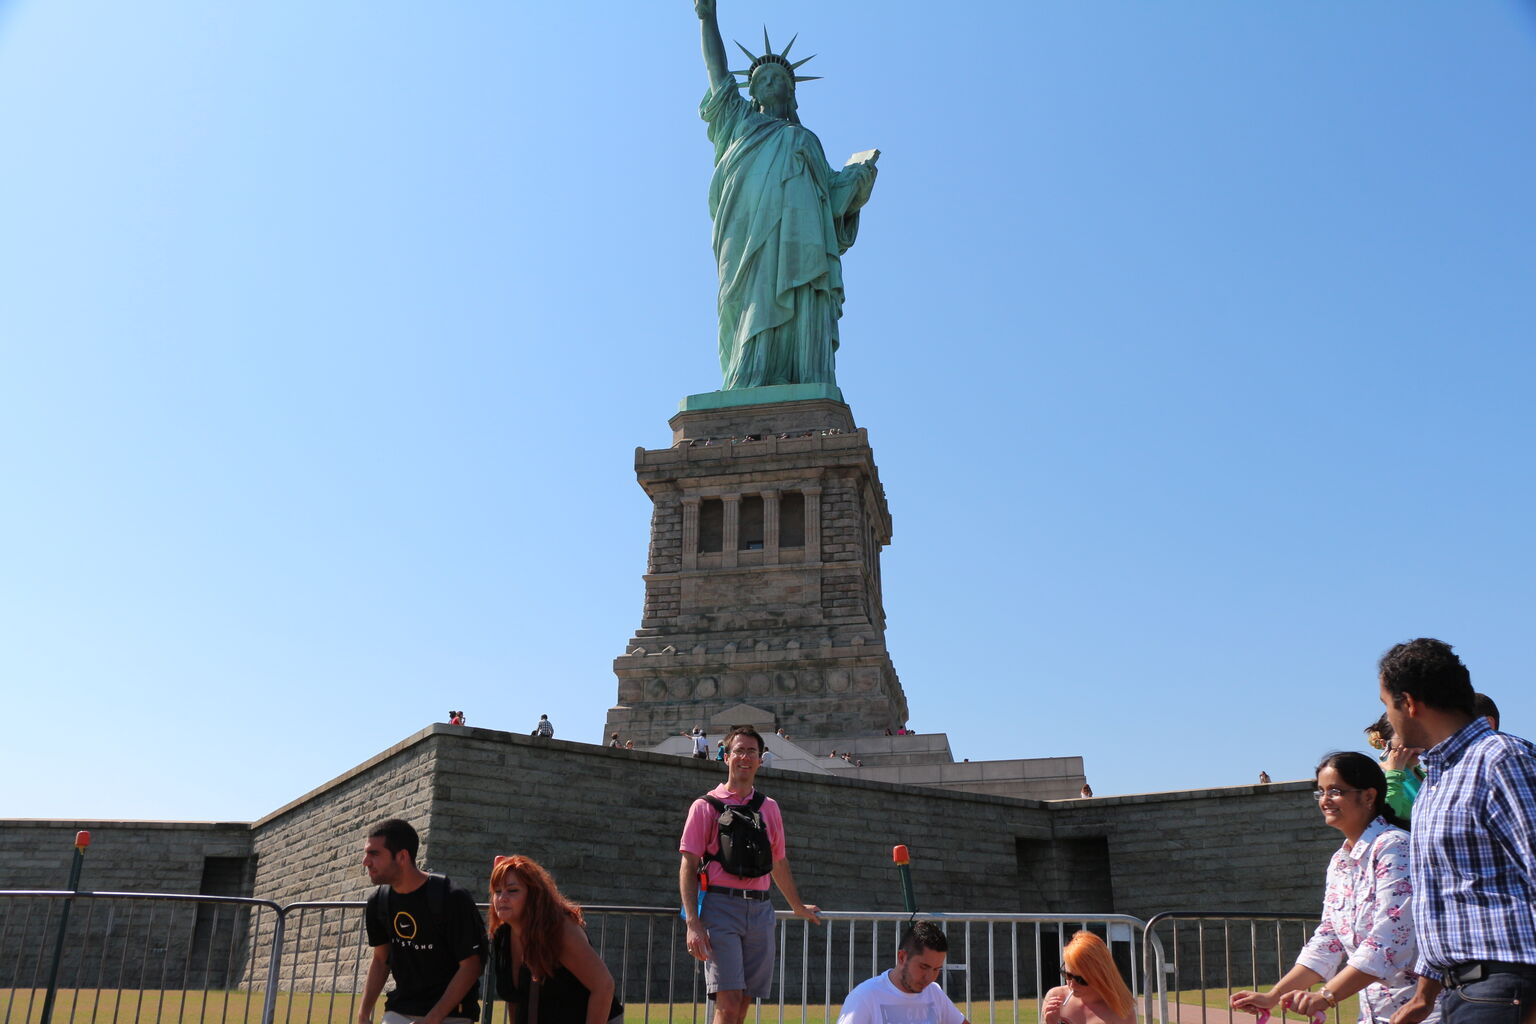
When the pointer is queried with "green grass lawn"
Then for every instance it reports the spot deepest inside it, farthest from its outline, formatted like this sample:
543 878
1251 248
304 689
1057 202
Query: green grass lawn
111 1006
134 1006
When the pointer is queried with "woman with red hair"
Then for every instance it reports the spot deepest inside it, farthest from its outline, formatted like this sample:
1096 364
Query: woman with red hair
539 950
1094 992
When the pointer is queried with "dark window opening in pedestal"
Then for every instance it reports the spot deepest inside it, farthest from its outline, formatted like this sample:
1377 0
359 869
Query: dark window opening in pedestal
792 520
750 526
711 525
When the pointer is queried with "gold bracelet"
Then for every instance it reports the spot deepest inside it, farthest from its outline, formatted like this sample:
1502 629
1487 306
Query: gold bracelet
1332 1000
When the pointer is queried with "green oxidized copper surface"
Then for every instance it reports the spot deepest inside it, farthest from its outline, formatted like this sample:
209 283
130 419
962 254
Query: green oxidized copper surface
782 220
759 396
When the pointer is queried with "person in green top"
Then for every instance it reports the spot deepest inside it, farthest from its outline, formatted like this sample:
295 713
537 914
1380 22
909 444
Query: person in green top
782 220
1400 764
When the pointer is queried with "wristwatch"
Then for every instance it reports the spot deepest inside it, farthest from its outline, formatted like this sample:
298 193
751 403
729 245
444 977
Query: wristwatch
1332 1000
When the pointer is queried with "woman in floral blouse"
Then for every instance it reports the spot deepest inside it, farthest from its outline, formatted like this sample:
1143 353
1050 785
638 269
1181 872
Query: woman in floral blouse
1367 920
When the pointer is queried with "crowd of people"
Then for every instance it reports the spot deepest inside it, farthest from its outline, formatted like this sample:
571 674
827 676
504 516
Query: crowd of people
428 934
711 442
1429 907
542 728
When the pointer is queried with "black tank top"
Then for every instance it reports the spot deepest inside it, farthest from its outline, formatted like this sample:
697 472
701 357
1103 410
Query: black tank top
562 998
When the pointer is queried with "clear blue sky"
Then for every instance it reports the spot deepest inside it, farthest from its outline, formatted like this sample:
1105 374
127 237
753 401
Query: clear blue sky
1195 341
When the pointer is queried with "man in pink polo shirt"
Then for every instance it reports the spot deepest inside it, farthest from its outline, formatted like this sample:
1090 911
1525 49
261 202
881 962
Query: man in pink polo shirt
732 930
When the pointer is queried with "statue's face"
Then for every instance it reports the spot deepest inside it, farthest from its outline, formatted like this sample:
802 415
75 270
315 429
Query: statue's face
771 85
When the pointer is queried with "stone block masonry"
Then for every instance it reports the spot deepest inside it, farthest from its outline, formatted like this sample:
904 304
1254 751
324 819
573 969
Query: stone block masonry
130 856
606 822
198 858
763 578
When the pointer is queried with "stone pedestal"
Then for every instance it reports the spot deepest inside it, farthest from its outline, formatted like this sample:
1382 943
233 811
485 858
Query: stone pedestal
763 584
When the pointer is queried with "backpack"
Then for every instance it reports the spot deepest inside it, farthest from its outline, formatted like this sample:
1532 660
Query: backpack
377 912
745 850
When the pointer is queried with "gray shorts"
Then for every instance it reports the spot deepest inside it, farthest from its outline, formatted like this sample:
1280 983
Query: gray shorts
741 936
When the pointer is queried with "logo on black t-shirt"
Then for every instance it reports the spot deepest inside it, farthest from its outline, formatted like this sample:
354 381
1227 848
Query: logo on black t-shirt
405 926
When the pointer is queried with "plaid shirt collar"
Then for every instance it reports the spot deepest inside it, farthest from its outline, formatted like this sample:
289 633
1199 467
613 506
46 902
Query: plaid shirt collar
1444 755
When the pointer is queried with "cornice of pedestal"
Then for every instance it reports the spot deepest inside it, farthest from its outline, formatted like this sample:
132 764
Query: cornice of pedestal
770 453
870 653
845 568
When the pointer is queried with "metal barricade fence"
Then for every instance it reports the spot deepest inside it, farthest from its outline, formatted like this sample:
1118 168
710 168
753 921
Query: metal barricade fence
646 951
132 957
998 969
138 958
1207 956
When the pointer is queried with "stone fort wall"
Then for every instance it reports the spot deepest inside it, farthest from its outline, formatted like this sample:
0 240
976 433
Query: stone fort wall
209 858
606 823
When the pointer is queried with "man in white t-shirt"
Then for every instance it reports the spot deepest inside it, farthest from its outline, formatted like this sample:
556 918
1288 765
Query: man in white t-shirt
908 993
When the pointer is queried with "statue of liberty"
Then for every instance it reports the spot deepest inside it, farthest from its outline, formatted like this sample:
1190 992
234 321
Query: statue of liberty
782 220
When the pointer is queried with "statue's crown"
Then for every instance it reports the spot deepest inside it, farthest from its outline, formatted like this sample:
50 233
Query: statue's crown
769 57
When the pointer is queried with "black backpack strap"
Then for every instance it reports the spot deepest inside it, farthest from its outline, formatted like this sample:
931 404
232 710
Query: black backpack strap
377 911
719 806
437 895
754 805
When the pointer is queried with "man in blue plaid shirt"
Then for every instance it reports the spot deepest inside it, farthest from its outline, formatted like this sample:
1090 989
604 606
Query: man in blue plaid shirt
1473 849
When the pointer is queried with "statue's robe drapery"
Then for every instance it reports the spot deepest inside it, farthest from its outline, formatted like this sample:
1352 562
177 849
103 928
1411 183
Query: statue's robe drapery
782 218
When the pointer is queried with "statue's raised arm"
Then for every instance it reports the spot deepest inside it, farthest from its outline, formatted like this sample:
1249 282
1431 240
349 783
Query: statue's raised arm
714 45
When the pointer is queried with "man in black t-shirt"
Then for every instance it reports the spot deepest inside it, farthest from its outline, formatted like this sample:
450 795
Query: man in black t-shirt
424 931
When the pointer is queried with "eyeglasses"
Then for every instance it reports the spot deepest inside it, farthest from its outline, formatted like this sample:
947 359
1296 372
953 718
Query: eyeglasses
1067 975
1332 791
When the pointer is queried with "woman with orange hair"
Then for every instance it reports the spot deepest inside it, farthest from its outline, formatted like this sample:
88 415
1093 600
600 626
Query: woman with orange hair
1094 992
539 950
